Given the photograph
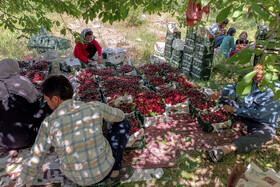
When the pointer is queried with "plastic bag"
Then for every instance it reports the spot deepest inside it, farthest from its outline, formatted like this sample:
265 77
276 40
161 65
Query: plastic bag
136 136
258 178
159 48
178 44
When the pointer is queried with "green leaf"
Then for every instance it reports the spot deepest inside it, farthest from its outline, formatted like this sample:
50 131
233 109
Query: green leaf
204 2
136 160
242 57
172 130
257 52
243 88
2 169
223 14
152 114
237 14
63 31
259 11
189 139
277 95
247 78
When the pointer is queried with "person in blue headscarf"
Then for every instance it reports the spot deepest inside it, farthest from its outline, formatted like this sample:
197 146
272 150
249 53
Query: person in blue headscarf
87 47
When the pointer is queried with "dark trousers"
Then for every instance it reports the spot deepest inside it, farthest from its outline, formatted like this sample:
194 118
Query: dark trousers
258 133
118 136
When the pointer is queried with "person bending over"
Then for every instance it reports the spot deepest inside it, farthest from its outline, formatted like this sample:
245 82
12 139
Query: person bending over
21 112
86 49
259 113
75 130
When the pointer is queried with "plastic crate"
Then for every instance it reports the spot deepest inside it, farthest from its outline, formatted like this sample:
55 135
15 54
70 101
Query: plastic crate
205 41
188 49
206 126
204 49
168 40
202 56
189 42
186 63
186 70
178 53
188 57
199 73
193 110
167 54
191 36
202 64
168 48
177 58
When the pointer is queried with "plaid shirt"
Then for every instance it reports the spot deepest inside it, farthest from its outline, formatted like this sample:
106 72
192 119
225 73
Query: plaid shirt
75 130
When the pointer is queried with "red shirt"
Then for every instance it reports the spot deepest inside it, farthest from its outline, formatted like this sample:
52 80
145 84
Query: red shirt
81 53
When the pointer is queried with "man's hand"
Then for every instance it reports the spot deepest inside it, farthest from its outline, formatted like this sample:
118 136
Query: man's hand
99 60
215 96
228 108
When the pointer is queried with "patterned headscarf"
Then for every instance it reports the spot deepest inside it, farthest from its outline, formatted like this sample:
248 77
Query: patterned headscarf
12 82
83 33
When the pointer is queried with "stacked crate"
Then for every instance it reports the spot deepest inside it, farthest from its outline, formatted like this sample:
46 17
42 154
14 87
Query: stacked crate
176 59
202 57
188 53
170 36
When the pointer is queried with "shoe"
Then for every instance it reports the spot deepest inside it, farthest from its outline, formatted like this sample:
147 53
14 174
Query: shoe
219 152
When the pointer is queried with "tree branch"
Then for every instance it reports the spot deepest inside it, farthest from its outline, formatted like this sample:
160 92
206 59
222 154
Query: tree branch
271 13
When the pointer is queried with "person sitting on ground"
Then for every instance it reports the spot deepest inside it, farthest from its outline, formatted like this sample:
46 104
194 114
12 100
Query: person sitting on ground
218 29
228 42
86 49
75 130
241 43
242 39
21 112
259 113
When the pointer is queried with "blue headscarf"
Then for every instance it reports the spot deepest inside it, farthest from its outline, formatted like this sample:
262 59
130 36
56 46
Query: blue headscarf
83 33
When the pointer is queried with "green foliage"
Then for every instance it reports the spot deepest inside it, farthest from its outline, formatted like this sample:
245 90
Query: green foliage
223 14
244 87
134 17
242 57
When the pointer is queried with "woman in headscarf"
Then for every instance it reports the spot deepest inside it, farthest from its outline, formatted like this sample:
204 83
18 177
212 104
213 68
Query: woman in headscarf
20 110
228 44
87 47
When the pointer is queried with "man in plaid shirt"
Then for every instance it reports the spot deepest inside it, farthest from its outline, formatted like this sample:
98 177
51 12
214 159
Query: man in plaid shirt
75 130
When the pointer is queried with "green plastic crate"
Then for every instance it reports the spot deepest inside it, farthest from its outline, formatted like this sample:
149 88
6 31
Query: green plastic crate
206 126
188 57
178 53
191 36
189 42
188 49
202 56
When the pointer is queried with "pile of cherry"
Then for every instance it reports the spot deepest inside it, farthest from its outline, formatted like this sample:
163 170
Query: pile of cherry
35 71
150 89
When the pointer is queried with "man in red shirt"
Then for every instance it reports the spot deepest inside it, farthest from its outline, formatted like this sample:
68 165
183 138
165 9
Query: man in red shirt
86 49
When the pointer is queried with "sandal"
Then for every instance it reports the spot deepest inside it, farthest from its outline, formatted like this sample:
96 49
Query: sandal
219 152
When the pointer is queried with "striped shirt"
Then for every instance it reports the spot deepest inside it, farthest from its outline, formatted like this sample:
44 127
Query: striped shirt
75 130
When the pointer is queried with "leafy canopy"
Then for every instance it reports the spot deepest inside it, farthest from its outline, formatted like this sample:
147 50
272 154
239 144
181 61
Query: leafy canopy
30 15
